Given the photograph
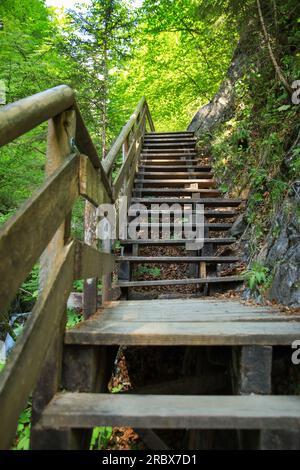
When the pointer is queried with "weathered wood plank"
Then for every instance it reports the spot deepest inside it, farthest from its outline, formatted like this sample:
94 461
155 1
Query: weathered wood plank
179 282
91 262
212 202
189 333
86 147
86 410
179 259
20 117
134 149
24 237
32 346
172 241
112 154
91 184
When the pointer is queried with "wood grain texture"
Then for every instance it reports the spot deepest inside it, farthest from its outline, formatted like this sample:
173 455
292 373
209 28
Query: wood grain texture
24 237
87 410
32 346
112 154
90 262
91 184
20 117
179 259
180 282
186 322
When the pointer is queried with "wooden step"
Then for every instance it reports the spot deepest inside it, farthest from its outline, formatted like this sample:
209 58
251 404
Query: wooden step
177 191
203 322
162 175
184 226
215 241
174 168
171 140
179 259
150 145
172 134
181 282
202 183
165 163
207 309
223 214
165 153
88 410
211 202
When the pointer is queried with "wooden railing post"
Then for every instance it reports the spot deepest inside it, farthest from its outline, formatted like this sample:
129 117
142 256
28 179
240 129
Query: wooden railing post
61 131
90 291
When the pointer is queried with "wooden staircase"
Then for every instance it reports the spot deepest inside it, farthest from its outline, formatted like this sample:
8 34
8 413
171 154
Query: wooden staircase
193 184
68 370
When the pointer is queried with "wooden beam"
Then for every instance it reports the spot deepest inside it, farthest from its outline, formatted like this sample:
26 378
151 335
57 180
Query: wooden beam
237 333
86 147
112 154
91 262
86 410
24 364
134 149
24 237
91 183
20 117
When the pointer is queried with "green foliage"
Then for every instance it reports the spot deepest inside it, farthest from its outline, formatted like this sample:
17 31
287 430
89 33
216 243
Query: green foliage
155 272
22 439
100 438
30 288
73 318
257 277
78 285
117 389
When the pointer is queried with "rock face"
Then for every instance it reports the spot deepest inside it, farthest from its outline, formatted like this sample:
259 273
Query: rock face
282 255
221 107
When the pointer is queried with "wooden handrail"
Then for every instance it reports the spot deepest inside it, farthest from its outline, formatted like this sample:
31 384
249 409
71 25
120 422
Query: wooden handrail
20 117
43 223
115 149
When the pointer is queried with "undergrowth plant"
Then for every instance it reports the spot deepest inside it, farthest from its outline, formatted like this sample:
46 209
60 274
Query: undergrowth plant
257 277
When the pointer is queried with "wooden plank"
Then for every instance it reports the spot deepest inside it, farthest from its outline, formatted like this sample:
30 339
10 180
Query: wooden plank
178 191
86 147
176 133
165 174
90 286
213 202
20 117
91 185
90 262
185 334
24 237
31 348
216 241
168 146
179 259
112 154
176 139
183 225
88 410
202 183
205 169
186 315
133 151
180 212
149 117
180 282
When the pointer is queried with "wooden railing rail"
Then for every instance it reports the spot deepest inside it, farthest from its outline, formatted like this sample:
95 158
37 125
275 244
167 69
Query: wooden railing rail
123 139
41 229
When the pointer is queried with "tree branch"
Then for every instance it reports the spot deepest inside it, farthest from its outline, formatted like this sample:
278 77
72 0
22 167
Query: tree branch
272 56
